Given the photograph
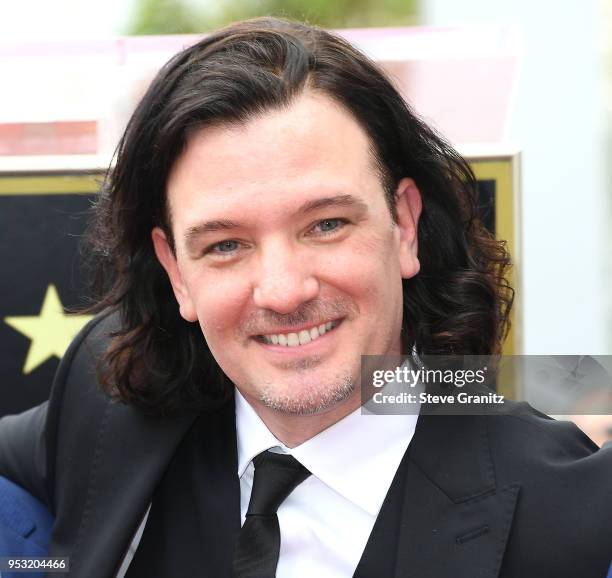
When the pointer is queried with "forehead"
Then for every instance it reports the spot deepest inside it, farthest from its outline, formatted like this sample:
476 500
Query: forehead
276 160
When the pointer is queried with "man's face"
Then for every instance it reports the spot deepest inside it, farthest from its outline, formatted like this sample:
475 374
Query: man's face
287 255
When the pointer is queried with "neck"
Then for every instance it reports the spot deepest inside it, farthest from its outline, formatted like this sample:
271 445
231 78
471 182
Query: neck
293 430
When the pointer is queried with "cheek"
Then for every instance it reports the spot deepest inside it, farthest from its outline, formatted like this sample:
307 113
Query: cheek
376 258
219 301
369 270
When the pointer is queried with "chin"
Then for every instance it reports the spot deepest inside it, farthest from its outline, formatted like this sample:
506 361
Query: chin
307 399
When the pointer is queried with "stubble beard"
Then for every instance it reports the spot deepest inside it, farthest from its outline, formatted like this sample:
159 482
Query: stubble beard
311 400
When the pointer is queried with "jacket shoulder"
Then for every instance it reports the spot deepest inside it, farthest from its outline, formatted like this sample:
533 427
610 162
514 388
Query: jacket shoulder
517 424
565 501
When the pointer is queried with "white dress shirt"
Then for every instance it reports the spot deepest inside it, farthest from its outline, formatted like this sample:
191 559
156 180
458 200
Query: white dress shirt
326 521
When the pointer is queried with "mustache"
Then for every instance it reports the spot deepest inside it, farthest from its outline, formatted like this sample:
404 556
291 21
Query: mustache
312 312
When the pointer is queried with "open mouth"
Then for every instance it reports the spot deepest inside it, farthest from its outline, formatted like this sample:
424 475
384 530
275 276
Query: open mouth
297 338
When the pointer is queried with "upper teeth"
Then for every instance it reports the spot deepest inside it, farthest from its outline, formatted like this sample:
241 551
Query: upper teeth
301 338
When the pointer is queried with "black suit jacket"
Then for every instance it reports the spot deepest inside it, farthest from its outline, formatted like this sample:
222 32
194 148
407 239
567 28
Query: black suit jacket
510 494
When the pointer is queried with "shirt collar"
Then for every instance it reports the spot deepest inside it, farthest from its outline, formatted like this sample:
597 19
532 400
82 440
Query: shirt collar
357 457
253 437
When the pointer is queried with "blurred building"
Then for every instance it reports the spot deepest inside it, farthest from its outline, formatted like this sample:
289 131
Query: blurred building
74 98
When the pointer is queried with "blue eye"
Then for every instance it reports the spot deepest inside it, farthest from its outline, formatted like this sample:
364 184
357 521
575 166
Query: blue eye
330 225
224 246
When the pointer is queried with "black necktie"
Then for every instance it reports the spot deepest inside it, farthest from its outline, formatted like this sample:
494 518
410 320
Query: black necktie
258 546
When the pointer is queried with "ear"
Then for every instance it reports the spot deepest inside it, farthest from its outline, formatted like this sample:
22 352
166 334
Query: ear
165 255
408 205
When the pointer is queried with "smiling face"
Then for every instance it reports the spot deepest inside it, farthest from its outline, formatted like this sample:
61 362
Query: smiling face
287 255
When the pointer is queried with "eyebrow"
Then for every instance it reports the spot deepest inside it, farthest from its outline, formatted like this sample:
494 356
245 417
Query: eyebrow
216 225
335 201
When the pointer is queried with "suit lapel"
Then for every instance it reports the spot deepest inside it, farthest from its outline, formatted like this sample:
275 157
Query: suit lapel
455 519
195 514
217 494
95 524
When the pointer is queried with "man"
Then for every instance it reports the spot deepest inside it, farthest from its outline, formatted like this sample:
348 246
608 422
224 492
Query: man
276 212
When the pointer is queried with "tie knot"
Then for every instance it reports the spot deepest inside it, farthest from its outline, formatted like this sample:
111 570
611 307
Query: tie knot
276 476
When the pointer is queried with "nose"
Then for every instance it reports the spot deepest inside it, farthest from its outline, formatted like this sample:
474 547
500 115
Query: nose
284 279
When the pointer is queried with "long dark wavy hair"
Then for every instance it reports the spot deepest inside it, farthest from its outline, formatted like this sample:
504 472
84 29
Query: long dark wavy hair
458 303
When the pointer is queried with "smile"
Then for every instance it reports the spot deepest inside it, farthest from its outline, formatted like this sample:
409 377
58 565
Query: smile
294 339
